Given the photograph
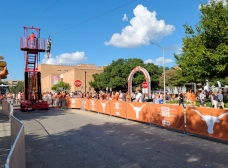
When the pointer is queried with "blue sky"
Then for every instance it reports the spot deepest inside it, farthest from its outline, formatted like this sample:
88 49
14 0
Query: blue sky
96 31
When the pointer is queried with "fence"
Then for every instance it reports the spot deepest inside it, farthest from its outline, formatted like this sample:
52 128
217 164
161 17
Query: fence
16 157
6 108
202 121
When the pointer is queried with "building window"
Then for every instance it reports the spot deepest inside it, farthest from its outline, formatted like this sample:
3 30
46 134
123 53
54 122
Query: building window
61 79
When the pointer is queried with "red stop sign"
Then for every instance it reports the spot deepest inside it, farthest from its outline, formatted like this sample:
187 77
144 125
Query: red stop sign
144 85
77 83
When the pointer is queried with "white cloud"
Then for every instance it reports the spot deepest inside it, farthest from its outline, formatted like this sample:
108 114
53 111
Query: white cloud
125 18
144 27
66 59
179 51
159 61
148 61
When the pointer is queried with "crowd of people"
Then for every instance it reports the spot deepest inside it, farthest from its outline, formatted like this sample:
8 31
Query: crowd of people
215 98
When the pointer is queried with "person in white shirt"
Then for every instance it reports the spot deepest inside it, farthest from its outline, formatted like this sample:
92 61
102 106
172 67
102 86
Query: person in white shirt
19 97
139 95
71 94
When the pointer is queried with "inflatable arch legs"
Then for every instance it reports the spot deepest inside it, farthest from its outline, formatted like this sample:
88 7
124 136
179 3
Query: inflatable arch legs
147 76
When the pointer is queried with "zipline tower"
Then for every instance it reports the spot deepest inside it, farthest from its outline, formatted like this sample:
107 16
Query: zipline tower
32 45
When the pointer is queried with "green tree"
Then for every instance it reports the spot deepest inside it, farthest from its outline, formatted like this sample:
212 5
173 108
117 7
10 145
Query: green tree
116 74
171 79
205 48
18 88
60 86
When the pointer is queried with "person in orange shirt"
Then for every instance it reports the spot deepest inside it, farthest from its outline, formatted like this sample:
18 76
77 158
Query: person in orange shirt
116 96
192 98
90 95
188 95
128 97
101 97
32 39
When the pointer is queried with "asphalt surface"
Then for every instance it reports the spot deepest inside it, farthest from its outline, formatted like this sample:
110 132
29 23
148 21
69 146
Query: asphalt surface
4 138
58 138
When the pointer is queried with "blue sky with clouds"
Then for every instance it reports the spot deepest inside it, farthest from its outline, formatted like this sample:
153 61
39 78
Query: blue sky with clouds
96 31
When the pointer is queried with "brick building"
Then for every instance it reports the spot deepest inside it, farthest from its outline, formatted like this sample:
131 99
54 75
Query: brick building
52 74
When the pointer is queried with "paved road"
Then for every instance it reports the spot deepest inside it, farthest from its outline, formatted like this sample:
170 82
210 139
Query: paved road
4 138
59 138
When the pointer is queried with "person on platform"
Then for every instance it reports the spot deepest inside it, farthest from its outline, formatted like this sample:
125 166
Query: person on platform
32 39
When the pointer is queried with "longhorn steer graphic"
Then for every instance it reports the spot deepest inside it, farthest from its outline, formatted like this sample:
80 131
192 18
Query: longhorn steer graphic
137 109
103 105
210 120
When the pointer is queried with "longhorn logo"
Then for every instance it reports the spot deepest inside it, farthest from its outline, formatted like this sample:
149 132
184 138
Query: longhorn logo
137 109
103 105
210 120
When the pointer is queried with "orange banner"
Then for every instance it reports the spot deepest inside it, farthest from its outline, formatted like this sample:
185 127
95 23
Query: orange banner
93 104
138 111
86 103
74 103
207 121
104 106
171 116
118 108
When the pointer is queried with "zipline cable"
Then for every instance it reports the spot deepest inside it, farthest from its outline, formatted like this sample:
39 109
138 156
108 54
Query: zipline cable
94 17
45 10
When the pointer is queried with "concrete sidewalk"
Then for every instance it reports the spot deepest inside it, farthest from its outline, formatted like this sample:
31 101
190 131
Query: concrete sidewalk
4 138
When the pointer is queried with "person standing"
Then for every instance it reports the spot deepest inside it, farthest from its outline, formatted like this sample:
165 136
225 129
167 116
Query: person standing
32 39
124 97
220 99
181 99
139 95
215 100
128 97
192 98
211 95
188 97
202 99
120 98
19 97
14 98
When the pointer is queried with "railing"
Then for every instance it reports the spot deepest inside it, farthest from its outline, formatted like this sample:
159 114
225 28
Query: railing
6 108
16 157
37 43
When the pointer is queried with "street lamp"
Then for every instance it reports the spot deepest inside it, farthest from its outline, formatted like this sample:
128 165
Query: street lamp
85 81
163 67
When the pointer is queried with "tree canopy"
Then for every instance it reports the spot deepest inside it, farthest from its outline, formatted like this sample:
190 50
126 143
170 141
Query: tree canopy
18 88
60 86
205 48
172 78
116 74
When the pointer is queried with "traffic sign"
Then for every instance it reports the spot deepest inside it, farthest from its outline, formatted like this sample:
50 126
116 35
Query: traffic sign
144 85
77 83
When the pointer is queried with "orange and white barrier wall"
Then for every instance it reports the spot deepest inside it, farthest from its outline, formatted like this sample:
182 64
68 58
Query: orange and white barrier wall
207 121
203 121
